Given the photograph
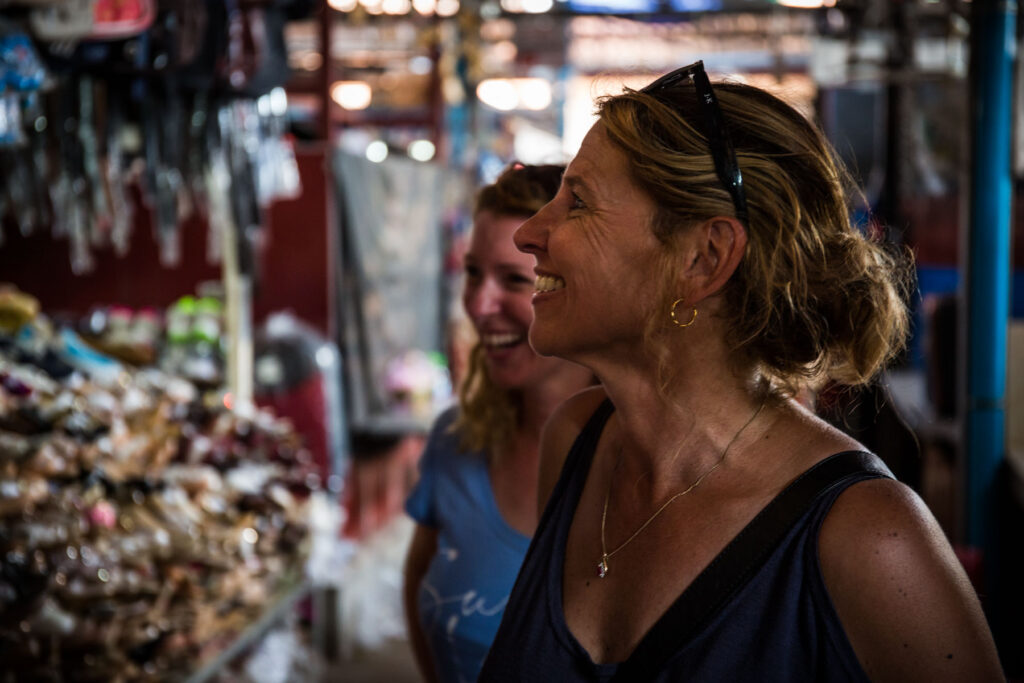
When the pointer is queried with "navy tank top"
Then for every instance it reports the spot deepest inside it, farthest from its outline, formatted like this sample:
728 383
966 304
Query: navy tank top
779 626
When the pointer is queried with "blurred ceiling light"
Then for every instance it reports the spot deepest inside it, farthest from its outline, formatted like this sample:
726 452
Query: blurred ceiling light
497 29
310 61
372 6
505 51
498 93
377 151
352 95
424 7
537 6
534 93
421 150
278 102
506 94
807 4
343 5
527 6
447 8
263 105
396 7
419 64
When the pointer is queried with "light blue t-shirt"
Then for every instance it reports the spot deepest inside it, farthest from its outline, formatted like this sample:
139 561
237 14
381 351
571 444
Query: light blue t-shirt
467 584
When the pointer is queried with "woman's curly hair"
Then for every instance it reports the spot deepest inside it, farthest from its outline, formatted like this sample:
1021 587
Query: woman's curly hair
488 415
813 298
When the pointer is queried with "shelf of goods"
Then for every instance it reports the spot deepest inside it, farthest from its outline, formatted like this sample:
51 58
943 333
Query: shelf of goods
146 532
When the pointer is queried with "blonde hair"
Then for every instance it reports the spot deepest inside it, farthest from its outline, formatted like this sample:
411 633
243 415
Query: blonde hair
813 298
488 415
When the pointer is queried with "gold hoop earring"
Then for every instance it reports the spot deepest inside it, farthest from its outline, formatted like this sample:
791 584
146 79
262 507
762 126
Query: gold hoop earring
672 314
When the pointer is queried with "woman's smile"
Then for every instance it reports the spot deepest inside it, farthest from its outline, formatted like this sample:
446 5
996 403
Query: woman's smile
547 283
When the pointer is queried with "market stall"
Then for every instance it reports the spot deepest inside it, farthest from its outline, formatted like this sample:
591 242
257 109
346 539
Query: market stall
144 525
158 506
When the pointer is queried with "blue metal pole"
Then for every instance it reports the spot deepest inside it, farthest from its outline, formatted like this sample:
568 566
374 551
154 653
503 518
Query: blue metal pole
993 26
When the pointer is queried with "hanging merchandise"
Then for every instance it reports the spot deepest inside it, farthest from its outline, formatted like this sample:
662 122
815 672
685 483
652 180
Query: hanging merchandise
72 213
277 169
256 60
66 22
391 296
101 219
21 76
113 19
145 95
115 175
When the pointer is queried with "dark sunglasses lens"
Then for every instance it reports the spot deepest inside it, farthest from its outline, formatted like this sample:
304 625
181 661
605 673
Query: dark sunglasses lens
722 151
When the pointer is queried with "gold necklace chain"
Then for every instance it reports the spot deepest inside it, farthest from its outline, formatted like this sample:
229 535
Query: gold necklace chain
602 566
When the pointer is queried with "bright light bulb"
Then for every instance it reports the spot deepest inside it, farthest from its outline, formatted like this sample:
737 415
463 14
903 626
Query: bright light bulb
807 4
421 150
498 93
311 61
343 5
537 6
396 7
534 93
352 95
421 65
424 7
447 8
278 101
377 151
504 51
263 105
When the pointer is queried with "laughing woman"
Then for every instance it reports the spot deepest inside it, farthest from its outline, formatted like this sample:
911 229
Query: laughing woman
701 525
475 503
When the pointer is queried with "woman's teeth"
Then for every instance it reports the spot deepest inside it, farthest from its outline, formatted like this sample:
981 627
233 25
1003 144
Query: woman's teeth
504 339
548 283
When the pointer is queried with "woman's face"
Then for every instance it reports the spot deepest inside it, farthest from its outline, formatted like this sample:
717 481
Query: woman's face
597 258
497 294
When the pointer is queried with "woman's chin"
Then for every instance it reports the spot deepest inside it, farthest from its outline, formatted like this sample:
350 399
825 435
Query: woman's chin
543 345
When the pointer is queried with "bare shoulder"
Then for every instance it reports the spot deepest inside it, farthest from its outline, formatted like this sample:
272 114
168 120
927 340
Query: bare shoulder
558 435
902 596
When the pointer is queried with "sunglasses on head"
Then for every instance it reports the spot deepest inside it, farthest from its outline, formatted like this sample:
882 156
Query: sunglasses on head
722 151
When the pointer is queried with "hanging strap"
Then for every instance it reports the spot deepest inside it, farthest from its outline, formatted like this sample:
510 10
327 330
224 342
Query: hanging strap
739 561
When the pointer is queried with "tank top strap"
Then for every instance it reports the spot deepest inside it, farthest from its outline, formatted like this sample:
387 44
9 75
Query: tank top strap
743 557
577 462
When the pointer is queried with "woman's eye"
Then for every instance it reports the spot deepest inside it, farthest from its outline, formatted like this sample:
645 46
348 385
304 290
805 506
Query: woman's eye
472 272
520 280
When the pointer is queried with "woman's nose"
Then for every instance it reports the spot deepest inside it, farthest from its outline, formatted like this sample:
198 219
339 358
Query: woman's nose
531 236
483 299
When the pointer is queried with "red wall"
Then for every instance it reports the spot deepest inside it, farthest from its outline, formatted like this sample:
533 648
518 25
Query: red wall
295 260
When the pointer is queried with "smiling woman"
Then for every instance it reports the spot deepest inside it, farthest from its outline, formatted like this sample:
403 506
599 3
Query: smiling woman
699 523
475 503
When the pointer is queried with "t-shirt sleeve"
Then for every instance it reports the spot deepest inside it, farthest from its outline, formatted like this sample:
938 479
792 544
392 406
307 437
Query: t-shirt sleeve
421 504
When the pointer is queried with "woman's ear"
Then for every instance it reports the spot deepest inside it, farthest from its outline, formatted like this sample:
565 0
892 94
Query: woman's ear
718 245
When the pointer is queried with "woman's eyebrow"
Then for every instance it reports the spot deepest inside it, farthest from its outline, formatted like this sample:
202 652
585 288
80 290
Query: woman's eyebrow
575 182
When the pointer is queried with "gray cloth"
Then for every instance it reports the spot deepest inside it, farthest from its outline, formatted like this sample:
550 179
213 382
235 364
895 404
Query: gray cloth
391 275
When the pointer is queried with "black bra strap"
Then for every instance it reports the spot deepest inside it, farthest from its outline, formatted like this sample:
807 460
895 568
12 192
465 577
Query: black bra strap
738 563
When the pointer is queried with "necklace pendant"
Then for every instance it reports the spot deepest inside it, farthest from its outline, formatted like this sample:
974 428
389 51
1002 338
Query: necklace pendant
602 568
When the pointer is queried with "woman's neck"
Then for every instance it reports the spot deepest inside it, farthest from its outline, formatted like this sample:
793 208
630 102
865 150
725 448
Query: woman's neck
538 402
676 431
